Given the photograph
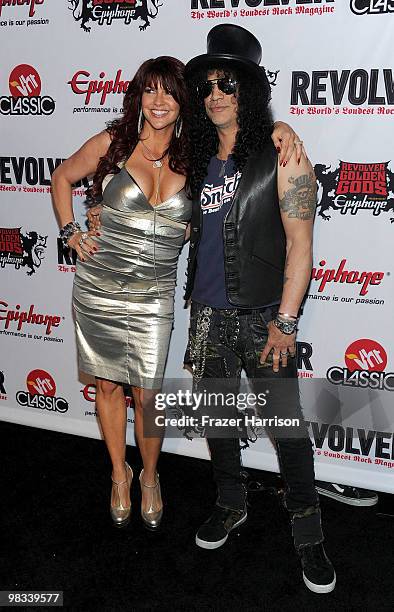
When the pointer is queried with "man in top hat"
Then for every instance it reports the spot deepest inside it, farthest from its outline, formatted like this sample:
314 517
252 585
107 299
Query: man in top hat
248 270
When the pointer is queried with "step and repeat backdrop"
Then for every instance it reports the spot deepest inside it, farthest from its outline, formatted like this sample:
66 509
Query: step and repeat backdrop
65 68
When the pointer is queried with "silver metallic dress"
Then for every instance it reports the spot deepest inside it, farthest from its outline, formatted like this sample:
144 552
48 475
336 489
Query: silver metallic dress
123 295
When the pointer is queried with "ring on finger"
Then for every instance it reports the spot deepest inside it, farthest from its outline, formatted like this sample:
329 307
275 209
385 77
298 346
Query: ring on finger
82 239
284 353
298 142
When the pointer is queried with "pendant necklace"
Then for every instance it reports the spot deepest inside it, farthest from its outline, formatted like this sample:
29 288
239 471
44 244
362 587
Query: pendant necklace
223 168
157 163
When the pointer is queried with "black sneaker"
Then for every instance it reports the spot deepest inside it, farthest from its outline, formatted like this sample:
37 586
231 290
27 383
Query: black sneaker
214 532
347 495
318 572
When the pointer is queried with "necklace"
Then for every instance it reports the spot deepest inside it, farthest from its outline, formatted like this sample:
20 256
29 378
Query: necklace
157 163
223 168
158 185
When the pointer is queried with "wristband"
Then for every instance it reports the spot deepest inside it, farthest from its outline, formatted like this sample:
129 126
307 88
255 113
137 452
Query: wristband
286 316
68 230
286 327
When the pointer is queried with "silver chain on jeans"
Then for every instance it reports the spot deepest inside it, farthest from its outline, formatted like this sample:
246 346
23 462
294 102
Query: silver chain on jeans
232 338
198 350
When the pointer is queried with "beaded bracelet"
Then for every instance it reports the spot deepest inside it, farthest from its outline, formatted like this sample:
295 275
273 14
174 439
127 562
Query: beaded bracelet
68 230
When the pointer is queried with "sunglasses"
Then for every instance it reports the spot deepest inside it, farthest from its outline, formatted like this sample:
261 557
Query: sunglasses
225 84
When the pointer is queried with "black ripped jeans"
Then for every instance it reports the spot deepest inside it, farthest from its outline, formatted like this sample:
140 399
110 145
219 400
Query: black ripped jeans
221 344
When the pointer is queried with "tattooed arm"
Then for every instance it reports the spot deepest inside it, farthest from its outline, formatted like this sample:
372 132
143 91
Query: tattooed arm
297 201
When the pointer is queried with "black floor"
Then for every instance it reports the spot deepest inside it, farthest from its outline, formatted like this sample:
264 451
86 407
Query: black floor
56 534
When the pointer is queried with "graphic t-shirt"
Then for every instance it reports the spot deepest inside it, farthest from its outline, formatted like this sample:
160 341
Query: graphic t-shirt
216 199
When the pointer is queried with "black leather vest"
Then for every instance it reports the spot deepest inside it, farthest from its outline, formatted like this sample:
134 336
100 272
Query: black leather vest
254 241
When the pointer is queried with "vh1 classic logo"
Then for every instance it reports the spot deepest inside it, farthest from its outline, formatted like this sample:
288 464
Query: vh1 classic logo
25 89
103 12
41 393
354 187
365 367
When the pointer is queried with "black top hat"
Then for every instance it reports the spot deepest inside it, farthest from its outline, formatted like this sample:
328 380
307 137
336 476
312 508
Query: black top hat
233 44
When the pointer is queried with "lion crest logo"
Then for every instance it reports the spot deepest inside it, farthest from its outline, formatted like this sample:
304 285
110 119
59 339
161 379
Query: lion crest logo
22 249
103 13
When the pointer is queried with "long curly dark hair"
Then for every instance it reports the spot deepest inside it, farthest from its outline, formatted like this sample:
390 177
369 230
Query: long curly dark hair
254 120
169 73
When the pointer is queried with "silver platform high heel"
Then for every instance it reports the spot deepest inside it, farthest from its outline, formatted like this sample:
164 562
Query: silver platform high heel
151 515
120 514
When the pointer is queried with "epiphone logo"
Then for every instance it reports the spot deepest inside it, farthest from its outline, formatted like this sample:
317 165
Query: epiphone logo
31 3
81 83
340 275
27 316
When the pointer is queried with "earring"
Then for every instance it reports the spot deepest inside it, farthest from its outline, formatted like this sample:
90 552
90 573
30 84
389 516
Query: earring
141 119
178 127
